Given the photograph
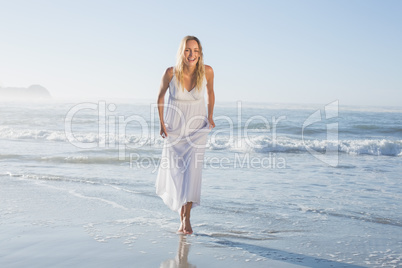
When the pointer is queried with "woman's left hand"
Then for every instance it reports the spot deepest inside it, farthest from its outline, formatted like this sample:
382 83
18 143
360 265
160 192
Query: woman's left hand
211 122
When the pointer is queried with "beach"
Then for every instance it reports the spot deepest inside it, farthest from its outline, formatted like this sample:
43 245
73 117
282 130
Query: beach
269 199
44 231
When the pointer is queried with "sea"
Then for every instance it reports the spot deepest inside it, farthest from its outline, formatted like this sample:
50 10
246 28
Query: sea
288 182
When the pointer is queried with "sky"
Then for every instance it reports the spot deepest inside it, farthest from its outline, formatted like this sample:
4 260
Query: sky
303 51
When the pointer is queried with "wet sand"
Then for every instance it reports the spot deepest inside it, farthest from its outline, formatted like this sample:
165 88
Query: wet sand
45 226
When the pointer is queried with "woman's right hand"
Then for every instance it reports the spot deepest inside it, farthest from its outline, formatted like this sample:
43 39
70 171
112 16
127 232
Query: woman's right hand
163 131
167 77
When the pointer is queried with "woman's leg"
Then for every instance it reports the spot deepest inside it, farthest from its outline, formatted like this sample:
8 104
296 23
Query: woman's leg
181 220
186 218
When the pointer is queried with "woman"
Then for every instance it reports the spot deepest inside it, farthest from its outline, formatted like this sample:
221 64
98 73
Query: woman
185 128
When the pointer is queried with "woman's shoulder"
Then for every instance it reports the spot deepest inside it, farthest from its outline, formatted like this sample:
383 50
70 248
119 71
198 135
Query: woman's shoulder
168 75
209 72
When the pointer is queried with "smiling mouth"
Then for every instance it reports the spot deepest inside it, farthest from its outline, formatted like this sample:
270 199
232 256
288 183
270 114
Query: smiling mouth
191 59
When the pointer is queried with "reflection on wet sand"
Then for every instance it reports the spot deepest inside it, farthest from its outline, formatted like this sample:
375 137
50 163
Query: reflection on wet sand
181 260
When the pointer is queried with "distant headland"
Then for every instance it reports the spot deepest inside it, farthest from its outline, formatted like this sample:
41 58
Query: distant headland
34 92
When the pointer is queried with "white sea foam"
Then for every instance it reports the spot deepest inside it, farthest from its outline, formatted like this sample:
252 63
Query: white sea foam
258 143
34 134
372 147
81 137
263 144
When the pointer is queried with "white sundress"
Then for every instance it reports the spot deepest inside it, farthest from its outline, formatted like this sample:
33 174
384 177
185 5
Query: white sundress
180 170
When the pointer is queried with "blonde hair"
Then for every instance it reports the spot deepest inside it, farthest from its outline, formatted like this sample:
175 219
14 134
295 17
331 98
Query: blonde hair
200 67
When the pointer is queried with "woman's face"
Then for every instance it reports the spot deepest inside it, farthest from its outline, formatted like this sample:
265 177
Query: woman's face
191 53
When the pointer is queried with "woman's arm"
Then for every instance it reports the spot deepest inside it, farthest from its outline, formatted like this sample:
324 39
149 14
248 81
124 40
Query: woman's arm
209 73
167 76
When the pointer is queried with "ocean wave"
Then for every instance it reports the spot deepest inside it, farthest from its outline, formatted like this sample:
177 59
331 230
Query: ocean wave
78 137
34 134
371 147
259 143
264 144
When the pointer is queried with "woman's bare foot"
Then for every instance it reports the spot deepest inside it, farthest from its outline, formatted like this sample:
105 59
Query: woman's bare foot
187 226
181 228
